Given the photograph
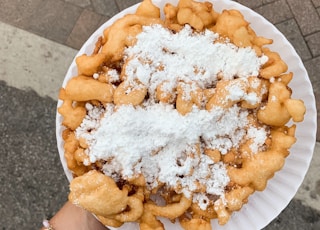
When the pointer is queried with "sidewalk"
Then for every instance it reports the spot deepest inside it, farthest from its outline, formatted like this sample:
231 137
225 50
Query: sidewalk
39 39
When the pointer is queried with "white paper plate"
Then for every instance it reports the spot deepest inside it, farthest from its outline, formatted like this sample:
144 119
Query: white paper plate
264 206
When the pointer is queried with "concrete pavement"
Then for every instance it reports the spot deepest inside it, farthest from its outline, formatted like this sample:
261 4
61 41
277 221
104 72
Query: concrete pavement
35 52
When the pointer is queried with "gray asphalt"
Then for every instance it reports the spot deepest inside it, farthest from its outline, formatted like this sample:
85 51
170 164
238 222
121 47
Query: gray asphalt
32 179
31 176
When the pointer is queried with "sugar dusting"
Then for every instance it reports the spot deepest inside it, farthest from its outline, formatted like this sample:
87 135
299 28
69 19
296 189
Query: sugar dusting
187 56
154 139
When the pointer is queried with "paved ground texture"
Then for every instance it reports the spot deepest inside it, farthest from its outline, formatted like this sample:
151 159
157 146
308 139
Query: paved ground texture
38 40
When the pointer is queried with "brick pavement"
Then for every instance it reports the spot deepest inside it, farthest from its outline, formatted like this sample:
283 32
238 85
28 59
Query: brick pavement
71 22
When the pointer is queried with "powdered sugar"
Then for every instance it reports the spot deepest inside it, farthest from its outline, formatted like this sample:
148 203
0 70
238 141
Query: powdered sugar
113 75
187 56
154 139
151 141
258 137
90 122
